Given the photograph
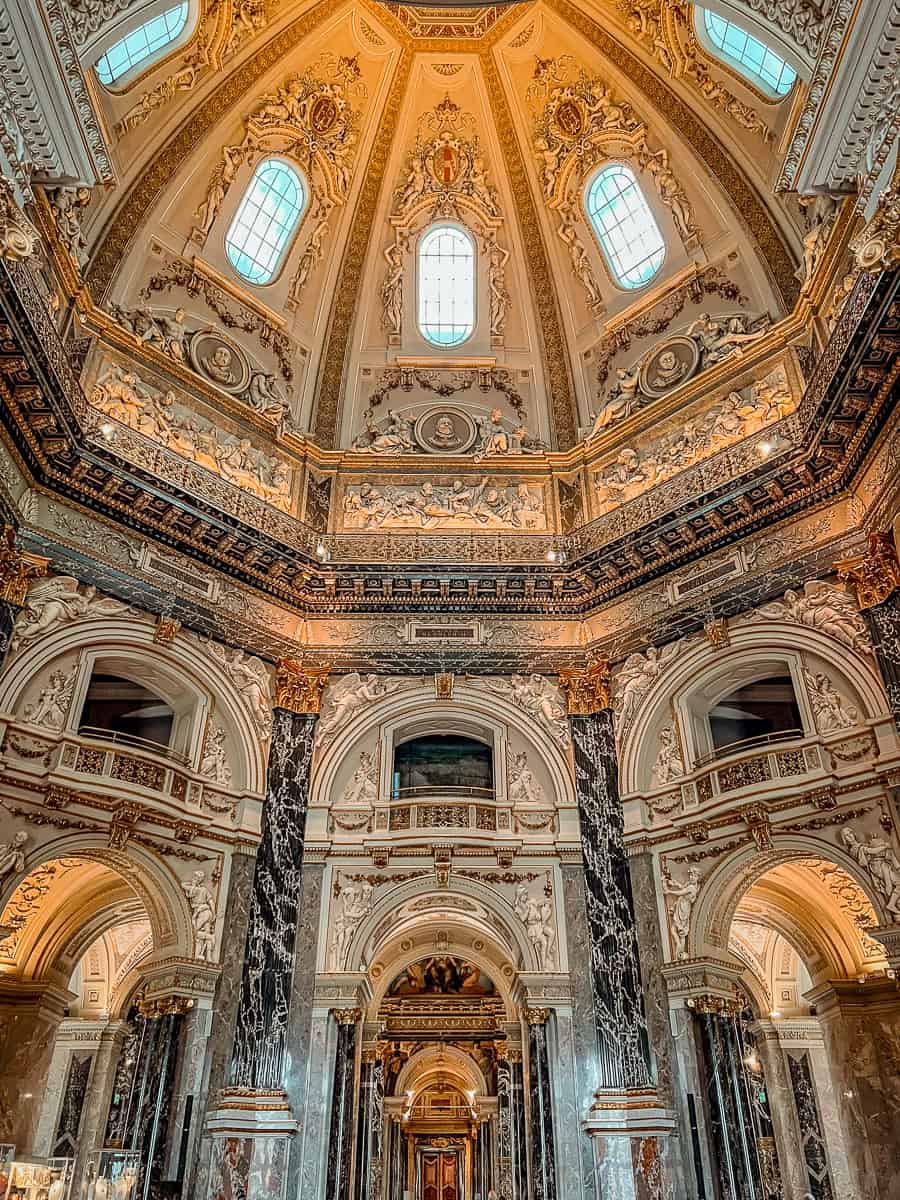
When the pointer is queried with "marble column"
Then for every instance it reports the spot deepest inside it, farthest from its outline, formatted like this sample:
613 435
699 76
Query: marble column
17 571
97 1103
746 1162
543 1146
875 578
780 1093
512 1166
252 1123
627 1122
30 1018
340 1137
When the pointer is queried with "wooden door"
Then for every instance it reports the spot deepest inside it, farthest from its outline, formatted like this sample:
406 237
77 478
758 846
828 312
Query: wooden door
440 1176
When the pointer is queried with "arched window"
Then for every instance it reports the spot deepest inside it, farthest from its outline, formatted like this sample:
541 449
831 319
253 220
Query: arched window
141 44
625 226
265 221
739 49
446 285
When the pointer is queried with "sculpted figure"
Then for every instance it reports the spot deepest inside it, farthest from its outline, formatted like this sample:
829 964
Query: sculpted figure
537 696
214 761
415 184
524 788
669 764
500 299
223 178
878 859
392 288
356 900
823 607
622 400
536 913
12 855
203 915
396 439
581 263
309 260
685 894
119 395
350 694
831 711
251 679
52 706
820 211
263 396
717 339
53 602
362 788
636 675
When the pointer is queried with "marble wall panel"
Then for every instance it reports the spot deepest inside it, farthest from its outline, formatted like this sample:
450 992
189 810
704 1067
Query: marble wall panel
584 1034
571 1140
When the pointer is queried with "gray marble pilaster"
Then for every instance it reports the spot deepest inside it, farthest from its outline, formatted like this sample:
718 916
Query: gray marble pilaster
316 1106
782 1110
96 1107
567 1106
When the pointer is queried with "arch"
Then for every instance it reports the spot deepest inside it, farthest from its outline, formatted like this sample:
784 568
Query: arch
266 221
144 44
143 876
421 1070
446 284
698 663
750 56
632 243
188 661
813 922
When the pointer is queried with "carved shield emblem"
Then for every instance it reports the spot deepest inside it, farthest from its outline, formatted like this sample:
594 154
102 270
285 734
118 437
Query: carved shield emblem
323 115
569 119
445 165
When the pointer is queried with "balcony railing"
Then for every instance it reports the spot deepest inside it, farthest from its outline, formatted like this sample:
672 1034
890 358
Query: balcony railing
96 734
433 791
761 739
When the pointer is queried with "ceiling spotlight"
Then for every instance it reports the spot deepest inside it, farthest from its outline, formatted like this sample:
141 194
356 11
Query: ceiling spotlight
322 551
556 556
108 430
775 1014
765 449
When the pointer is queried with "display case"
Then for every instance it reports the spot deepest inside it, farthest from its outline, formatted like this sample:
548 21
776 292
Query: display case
111 1175
31 1178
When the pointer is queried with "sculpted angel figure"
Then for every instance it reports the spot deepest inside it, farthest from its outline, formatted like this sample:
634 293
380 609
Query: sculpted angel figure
392 287
637 674
821 606
581 263
214 761
830 709
52 602
350 694
671 193
415 183
497 260
396 439
356 900
685 894
536 913
249 675
52 705
669 764
878 859
12 855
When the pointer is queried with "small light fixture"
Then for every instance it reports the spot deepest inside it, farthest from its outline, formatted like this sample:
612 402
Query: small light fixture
765 449
322 552
775 1014
108 430
556 556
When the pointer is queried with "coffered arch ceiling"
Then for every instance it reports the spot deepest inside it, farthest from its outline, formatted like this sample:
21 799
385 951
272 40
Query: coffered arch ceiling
500 77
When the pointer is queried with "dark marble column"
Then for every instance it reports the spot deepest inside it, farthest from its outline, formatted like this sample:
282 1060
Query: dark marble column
812 1133
17 571
340 1135
252 1123
627 1123
484 1179
746 1163
512 1165
875 578
543 1158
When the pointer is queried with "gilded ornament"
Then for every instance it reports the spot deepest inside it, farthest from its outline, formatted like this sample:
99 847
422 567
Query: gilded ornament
536 1016
587 690
347 1016
299 688
166 630
874 575
17 569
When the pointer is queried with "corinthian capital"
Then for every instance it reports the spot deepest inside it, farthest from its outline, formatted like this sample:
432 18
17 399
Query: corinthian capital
586 689
19 240
299 688
877 247
17 569
873 575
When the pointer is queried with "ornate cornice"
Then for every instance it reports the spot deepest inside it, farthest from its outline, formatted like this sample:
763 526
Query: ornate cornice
298 687
874 575
587 690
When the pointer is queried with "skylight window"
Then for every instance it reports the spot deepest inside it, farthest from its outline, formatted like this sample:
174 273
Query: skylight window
753 58
141 44
446 286
265 221
626 228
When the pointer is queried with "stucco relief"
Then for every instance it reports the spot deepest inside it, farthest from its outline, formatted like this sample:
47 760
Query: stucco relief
51 603
158 415
460 504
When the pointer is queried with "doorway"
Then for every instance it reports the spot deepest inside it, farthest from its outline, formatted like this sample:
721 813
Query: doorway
440 1175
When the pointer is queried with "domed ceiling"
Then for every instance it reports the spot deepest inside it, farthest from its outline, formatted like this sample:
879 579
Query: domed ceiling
491 307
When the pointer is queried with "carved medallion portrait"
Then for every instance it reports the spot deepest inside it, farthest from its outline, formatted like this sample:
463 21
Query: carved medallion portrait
445 431
220 361
672 363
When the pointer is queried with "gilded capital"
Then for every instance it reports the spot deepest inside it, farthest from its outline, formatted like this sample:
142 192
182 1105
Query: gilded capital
17 569
165 1006
299 688
873 575
347 1016
536 1016
587 689
877 247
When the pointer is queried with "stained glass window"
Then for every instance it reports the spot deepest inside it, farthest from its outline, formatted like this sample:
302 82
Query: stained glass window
141 44
625 226
265 221
748 54
446 285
